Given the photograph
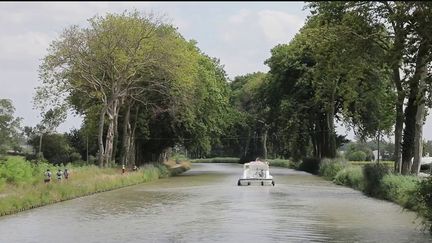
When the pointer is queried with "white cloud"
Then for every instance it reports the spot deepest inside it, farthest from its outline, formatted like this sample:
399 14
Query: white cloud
24 45
248 37
272 26
240 17
277 26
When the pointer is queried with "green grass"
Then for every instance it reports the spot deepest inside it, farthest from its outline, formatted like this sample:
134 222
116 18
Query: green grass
351 176
28 190
329 168
400 189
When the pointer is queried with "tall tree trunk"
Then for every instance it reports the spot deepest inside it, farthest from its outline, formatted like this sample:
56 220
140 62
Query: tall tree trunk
246 147
409 130
264 141
418 139
329 150
115 139
126 137
100 137
40 143
395 63
399 121
109 142
421 73
131 156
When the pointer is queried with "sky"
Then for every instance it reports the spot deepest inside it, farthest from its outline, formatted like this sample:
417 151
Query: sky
240 34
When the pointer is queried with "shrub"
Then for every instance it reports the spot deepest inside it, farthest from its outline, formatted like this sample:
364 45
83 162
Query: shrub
357 156
16 170
310 165
330 167
400 189
350 176
425 197
74 156
373 174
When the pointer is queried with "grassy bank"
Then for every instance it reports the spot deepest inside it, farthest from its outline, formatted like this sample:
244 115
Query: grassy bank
377 180
22 186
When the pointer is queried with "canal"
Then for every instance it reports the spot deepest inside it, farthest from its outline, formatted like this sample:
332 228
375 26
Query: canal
206 205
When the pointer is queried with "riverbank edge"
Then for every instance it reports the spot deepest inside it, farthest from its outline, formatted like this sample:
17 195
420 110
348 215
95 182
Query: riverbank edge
12 204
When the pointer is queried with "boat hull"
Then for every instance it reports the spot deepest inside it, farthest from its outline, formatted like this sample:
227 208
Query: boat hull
255 182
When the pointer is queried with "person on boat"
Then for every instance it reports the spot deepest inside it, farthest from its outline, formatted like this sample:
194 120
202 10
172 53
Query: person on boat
47 176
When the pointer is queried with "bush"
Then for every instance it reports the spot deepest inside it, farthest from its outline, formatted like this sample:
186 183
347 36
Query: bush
373 174
75 157
357 156
310 165
350 176
16 170
400 189
329 168
92 159
425 198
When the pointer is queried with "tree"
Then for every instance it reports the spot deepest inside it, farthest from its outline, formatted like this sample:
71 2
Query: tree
105 62
9 126
402 30
56 148
325 73
51 119
134 70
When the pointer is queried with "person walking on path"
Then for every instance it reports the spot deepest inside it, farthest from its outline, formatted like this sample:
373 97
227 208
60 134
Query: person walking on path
66 174
59 175
47 176
123 169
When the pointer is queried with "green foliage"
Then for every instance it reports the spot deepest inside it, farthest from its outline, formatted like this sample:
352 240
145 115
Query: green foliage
9 126
79 139
15 170
310 165
56 148
354 147
400 189
350 176
356 156
329 168
373 174
74 156
425 198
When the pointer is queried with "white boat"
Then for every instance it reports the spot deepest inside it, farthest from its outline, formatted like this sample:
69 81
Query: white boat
256 173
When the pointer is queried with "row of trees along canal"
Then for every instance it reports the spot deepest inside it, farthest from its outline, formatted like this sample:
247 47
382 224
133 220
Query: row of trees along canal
355 62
